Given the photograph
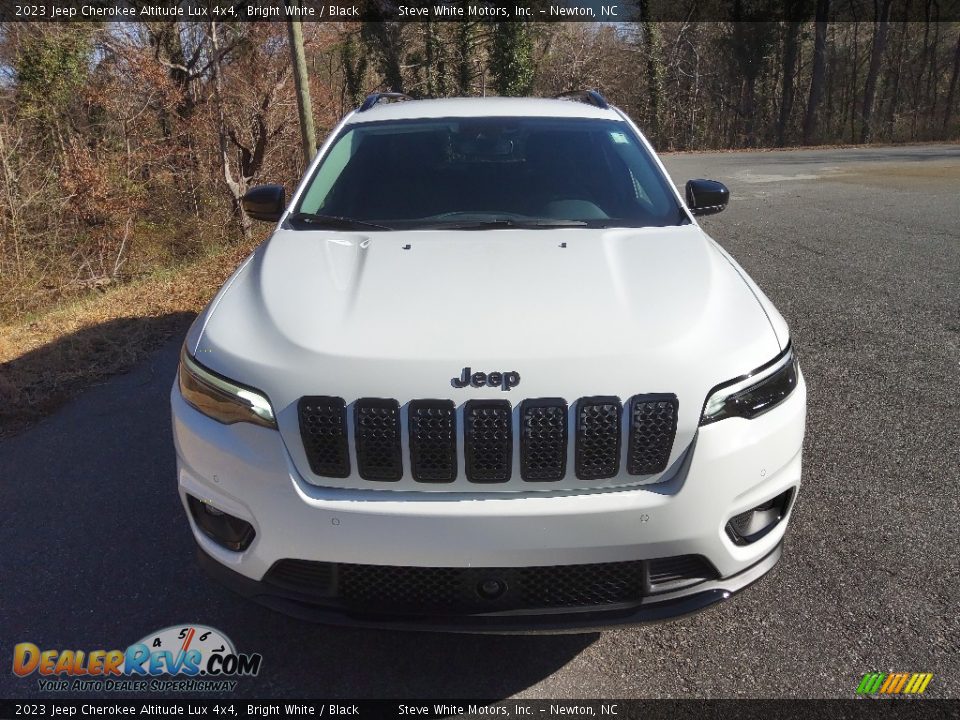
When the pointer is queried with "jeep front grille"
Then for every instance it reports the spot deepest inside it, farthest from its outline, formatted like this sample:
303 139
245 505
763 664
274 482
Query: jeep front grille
488 440
543 439
377 428
543 431
653 425
433 440
598 437
323 428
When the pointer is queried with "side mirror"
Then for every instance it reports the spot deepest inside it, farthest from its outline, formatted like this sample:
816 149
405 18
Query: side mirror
706 197
264 202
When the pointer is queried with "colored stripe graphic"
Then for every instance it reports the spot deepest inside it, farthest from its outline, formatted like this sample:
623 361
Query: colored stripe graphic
871 683
926 678
901 681
894 683
888 683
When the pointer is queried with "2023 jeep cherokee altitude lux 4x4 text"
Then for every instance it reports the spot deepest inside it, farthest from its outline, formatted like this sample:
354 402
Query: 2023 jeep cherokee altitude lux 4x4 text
488 373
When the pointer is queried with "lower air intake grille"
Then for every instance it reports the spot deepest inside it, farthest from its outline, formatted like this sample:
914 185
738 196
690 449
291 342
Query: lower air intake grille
323 428
460 591
433 440
653 425
598 437
488 440
402 587
302 576
378 439
543 439
580 585
680 571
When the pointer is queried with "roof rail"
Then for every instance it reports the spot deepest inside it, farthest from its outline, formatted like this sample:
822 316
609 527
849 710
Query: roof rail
373 98
591 97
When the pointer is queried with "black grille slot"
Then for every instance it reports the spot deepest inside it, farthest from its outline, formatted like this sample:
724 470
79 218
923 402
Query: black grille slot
400 588
488 440
582 585
303 576
543 439
377 431
679 571
598 437
433 440
323 428
653 425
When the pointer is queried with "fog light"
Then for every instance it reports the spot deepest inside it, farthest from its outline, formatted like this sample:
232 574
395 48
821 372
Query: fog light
224 529
750 526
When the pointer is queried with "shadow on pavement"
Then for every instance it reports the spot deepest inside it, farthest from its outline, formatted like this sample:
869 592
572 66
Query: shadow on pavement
97 553
39 381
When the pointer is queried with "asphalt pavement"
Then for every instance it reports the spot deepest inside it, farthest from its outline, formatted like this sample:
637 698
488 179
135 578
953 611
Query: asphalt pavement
860 251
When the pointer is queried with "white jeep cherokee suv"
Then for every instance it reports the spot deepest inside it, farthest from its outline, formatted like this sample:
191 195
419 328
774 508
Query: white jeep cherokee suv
488 374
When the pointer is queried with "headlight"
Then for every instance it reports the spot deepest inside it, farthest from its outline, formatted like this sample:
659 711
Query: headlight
221 399
754 394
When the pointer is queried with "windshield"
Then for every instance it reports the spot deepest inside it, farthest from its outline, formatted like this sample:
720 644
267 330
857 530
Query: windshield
488 172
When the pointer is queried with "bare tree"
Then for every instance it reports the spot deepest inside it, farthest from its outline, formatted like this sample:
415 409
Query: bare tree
749 42
464 53
789 69
654 54
952 93
387 41
818 73
243 145
881 24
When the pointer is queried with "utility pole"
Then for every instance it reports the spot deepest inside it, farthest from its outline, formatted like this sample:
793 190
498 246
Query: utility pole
307 134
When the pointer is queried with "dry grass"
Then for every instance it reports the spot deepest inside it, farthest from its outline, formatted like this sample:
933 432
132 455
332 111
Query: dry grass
48 358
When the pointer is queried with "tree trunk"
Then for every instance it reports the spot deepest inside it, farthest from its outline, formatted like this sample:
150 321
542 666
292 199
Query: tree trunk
893 94
308 137
933 77
881 25
952 93
819 72
850 101
432 60
651 35
386 40
511 59
464 48
750 41
12 221
789 68
354 68
235 186
748 106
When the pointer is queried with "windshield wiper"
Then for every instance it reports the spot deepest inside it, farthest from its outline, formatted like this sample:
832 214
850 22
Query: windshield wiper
333 222
504 223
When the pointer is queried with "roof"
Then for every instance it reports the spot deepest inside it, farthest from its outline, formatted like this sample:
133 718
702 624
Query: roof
481 107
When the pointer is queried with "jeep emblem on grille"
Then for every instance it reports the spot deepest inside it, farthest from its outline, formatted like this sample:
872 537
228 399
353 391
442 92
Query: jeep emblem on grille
505 380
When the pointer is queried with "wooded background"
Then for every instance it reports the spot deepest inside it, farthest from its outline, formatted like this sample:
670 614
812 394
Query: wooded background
124 148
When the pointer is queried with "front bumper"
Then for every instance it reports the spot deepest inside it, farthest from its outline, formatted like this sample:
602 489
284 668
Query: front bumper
733 465
655 609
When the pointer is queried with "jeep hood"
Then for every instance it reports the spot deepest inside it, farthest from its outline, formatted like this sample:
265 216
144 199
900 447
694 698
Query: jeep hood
576 312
